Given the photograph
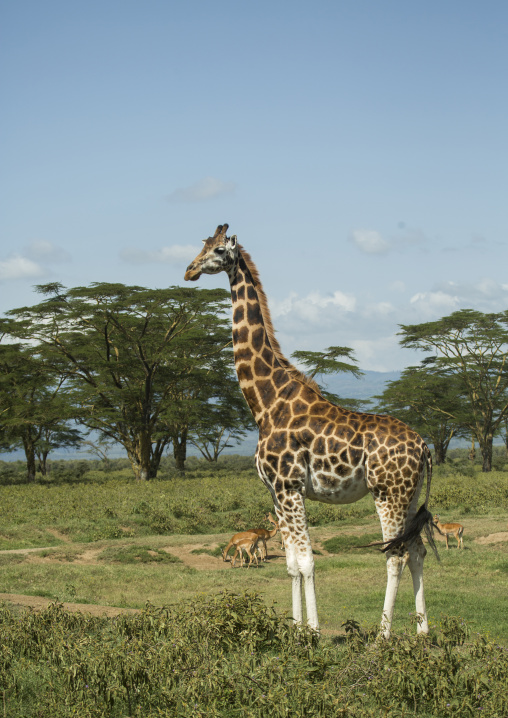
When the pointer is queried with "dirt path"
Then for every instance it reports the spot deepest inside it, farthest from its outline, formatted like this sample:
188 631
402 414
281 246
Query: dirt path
493 538
39 603
89 555
185 552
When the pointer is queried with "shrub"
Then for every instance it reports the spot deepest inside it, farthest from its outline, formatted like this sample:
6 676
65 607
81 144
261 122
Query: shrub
229 654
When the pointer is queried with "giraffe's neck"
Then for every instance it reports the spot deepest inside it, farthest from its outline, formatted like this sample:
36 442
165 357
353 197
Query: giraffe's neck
263 371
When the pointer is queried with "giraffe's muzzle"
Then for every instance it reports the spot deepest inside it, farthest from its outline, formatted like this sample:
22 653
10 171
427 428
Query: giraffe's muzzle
192 273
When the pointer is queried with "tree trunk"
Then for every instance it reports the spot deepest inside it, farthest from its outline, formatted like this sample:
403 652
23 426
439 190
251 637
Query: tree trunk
43 462
486 449
180 450
439 453
157 450
30 460
138 451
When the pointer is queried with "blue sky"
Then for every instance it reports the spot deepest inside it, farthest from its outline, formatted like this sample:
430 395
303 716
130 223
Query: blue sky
357 149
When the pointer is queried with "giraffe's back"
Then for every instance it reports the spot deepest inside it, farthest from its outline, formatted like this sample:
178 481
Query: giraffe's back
334 455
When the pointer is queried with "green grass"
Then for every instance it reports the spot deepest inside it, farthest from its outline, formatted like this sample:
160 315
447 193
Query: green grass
121 543
122 521
134 554
341 544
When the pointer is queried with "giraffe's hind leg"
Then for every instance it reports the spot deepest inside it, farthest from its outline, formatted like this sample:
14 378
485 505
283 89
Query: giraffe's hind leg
417 553
392 525
413 553
395 563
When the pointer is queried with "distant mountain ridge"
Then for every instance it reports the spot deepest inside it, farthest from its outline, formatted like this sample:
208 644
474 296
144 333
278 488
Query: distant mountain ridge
371 384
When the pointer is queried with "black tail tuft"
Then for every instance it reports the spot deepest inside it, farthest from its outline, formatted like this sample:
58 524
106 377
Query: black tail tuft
421 522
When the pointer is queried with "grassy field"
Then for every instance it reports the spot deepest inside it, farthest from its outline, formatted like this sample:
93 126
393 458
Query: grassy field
86 535
122 543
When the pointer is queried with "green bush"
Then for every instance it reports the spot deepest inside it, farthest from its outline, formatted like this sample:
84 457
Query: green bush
230 655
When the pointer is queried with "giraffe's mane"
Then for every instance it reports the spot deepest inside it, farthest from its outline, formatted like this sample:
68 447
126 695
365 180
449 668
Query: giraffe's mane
265 311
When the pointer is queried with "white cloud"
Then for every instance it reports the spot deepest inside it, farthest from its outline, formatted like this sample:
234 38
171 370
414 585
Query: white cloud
202 191
434 304
486 294
370 241
18 267
176 254
380 354
380 309
315 307
370 326
46 251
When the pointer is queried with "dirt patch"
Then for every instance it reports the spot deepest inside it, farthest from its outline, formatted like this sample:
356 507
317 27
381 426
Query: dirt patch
38 603
27 550
59 535
493 538
199 561
205 562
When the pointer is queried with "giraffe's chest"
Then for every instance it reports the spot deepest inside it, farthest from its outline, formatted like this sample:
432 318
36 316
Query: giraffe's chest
335 487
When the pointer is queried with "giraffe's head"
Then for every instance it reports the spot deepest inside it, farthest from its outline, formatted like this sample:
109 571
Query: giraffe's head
218 255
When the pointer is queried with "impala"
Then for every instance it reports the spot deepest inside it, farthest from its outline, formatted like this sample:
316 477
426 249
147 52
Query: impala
263 534
249 544
269 517
450 530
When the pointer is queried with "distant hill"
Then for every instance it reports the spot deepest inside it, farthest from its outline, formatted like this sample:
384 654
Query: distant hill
345 385
372 383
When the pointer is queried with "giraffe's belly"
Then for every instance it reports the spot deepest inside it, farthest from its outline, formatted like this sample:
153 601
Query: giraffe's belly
332 489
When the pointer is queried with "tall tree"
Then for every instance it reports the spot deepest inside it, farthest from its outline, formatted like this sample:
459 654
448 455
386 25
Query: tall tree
209 407
473 347
36 411
414 397
124 350
224 420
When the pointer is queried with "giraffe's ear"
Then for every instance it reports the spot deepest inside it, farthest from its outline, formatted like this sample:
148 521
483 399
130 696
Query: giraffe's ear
232 239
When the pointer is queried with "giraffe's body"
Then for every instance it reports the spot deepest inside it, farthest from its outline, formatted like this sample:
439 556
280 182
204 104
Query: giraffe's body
311 448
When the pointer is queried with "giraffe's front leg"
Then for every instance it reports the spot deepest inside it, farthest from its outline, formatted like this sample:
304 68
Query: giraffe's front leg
299 558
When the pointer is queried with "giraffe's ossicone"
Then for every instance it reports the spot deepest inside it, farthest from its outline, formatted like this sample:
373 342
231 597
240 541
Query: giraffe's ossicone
311 448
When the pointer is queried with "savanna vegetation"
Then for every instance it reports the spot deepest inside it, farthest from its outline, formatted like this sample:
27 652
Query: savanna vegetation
218 642
231 655
152 370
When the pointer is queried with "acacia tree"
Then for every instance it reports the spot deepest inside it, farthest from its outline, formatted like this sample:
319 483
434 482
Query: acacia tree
36 411
472 347
331 361
122 349
209 407
413 399
224 420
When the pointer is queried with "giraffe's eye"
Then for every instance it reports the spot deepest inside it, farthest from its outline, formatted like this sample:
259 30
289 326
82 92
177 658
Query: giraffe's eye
220 250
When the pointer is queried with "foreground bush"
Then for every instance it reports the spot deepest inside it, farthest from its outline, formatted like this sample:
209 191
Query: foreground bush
229 655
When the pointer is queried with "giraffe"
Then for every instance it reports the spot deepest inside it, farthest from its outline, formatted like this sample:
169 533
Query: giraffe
309 448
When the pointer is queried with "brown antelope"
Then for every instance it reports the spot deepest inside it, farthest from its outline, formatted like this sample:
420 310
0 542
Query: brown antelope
236 539
263 534
249 544
450 530
269 517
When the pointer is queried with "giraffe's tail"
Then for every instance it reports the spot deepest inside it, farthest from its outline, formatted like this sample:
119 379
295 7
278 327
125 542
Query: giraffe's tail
422 521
